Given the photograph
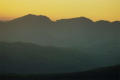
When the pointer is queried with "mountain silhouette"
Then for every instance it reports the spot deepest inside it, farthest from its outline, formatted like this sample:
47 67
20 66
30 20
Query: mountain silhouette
76 20
102 22
30 18
74 32
78 43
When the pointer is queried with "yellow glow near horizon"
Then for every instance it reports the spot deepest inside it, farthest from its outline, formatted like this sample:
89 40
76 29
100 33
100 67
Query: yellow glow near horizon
57 9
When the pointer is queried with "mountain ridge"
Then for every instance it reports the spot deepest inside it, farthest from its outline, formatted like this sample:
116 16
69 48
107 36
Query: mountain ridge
74 18
31 18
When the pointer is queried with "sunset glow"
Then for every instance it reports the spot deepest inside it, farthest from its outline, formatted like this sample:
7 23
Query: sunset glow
57 9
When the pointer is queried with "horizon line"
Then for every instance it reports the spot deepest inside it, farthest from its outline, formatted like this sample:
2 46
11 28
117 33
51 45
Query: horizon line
7 20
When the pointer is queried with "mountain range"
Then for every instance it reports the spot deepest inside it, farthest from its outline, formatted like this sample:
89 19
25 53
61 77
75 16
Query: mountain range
74 32
38 44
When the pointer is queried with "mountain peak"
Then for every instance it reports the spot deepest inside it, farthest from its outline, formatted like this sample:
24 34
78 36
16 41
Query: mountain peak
83 19
116 22
31 15
103 22
32 18
77 19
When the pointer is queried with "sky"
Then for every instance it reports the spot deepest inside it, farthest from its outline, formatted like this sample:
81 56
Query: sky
59 9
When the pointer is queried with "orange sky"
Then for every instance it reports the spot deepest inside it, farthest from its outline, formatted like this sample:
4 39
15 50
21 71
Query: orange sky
57 9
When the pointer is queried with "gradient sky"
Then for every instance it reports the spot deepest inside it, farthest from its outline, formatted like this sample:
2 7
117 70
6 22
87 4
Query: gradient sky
57 9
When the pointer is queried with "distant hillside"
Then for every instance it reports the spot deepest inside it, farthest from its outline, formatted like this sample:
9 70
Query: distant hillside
74 32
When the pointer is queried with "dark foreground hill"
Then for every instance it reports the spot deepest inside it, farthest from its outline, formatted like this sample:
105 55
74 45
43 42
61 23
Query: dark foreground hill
26 58
106 73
